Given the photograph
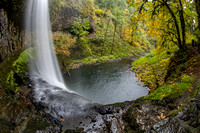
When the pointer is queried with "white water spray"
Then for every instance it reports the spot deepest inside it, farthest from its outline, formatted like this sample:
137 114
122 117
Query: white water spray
38 32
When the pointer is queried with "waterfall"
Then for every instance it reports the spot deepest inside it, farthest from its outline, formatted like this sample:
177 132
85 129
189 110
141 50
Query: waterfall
38 33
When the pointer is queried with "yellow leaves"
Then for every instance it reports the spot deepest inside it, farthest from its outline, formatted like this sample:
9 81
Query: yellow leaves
130 2
161 116
190 89
63 42
99 12
63 49
138 5
126 11
164 62
136 44
62 120
148 89
152 76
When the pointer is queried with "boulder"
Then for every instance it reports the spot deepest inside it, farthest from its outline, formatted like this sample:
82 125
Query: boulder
65 12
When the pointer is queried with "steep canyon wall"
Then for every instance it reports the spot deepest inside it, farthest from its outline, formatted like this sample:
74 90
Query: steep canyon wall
11 27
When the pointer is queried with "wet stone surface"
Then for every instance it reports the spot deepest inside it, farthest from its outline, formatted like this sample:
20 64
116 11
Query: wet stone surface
18 114
25 114
75 113
153 116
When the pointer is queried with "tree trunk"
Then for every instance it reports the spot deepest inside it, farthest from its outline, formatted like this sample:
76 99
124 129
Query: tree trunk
132 35
105 37
113 39
176 25
197 4
182 23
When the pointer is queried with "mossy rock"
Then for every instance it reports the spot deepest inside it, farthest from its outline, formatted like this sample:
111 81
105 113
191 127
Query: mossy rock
169 91
15 70
65 12
36 124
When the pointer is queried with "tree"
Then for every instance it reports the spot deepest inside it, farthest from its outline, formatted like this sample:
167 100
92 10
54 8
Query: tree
115 29
117 20
167 19
105 37
197 5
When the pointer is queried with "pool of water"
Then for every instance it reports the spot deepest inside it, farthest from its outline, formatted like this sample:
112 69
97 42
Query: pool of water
106 83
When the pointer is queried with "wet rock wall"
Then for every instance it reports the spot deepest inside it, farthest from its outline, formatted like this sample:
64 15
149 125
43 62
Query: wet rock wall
11 27
11 37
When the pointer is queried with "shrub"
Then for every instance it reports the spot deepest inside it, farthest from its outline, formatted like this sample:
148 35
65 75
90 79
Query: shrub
80 27
187 79
99 12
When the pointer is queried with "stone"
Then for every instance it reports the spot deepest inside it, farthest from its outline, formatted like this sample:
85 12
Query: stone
65 12
11 36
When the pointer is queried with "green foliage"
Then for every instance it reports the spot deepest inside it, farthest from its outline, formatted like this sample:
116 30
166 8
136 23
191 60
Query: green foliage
80 27
99 59
111 34
187 79
171 22
168 90
63 43
20 67
110 4
143 59
152 68
99 12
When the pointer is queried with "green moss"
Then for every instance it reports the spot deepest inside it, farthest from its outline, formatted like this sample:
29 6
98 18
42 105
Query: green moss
99 59
194 93
168 90
143 59
152 68
36 124
11 82
21 64
20 67
89 54
6 67
187 79
175 112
